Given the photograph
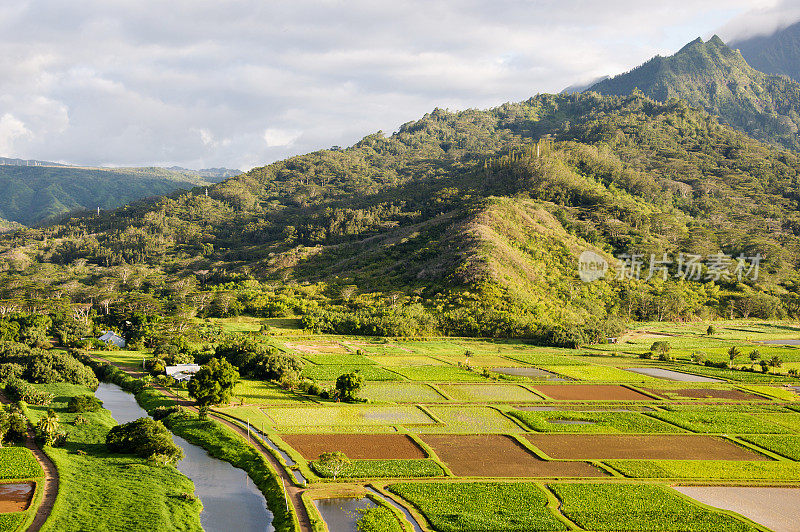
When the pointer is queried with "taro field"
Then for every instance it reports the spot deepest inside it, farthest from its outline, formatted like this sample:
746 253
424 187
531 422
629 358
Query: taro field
470 434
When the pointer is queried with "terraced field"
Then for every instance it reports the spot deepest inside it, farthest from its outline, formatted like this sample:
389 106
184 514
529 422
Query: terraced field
478 435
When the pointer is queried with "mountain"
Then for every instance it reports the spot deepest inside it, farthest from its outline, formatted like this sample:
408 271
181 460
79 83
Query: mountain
467 223
777 53
580 87
32 192
215 175
712 76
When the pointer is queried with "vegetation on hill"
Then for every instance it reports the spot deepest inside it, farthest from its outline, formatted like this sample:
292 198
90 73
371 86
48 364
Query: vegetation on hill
467 223
30 195
712 76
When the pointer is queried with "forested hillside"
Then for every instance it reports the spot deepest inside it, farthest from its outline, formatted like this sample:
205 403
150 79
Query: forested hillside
464 223
33 194
712 76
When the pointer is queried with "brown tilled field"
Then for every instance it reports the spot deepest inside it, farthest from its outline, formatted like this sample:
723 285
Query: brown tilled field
589 392
650 447
356 446
494 455
704 393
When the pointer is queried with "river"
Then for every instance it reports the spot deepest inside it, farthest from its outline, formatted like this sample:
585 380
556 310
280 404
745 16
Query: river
230 499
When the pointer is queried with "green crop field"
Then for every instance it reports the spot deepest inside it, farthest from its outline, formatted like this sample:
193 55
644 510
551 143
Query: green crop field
785 445
488 393
595 422
451 507
708 469
600 374
18 463
439 374
331 372
384 469
469 419
787 422
260 392
401 392
339 360
621 507
723 422
330 415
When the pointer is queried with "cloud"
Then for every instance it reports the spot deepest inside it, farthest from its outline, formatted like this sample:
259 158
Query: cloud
764 19
238 83
11 129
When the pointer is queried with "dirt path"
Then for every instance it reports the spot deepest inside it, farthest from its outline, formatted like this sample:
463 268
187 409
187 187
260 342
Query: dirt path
293 492
50 486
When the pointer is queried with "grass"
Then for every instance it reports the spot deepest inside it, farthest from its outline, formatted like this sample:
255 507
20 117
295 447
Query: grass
638 507
600 374
439 374
11 522
99 479
707 469
488 393
332 372
717 422
18 463
455 507
469 420
261 392
602 422
785 445
384 469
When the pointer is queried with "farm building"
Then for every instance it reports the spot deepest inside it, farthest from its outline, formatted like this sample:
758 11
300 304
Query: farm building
110 337
182 372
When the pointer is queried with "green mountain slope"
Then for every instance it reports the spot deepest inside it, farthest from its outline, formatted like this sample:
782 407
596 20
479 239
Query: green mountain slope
778 53
712 76
459 223
34 194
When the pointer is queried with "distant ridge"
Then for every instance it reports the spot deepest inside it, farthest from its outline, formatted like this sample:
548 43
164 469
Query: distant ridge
713 76
778 53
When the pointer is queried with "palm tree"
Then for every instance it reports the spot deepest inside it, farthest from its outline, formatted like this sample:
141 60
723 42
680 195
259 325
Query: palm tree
775 362
733 353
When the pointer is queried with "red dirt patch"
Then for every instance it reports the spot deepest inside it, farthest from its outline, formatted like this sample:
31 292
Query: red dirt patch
701 393
645 447
587 392
494 455
16 497
356 446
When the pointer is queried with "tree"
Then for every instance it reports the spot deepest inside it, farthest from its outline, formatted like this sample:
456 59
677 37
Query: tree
144 437
755 355
733 353
48 430
348 385
84 403
710 331
334 462
660 347
775 362
214 383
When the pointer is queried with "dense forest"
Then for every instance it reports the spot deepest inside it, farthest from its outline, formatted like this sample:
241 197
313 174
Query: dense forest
467 223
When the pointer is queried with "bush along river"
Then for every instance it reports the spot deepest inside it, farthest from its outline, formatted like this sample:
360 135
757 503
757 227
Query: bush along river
230 499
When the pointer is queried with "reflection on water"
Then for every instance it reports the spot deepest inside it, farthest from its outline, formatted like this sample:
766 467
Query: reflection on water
230 500
342 514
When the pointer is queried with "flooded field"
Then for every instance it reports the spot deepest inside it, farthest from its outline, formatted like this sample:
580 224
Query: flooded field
671 375
775 508
16 497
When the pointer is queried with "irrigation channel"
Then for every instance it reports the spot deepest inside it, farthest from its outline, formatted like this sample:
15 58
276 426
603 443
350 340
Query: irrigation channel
230 499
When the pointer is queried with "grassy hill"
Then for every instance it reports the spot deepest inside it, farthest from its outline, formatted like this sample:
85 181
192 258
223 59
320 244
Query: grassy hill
460 223
33 194
712 76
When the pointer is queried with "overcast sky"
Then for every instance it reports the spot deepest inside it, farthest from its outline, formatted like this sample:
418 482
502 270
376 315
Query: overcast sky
241 83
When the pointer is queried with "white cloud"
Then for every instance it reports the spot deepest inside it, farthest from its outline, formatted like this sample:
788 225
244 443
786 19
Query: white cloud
11 129
206 83
766 18
279 138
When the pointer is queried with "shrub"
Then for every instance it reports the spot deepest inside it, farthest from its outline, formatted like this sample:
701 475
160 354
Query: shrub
20 390
144 437
84 403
